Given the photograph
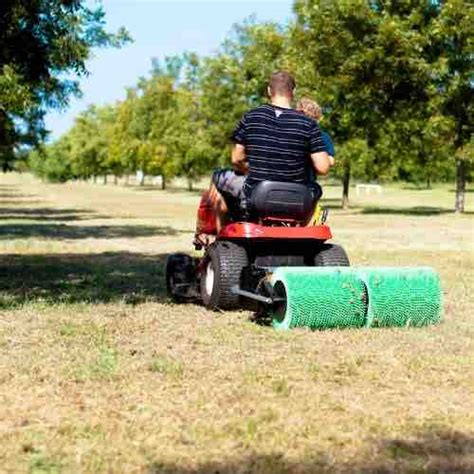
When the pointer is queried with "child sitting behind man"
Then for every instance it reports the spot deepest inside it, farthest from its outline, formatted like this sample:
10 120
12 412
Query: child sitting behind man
312 110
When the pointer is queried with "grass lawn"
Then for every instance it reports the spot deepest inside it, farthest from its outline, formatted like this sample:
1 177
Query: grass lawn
99 372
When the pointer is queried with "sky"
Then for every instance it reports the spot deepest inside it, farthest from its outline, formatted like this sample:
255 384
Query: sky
159 28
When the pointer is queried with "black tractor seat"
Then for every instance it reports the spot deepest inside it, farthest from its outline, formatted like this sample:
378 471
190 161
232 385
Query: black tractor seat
273 200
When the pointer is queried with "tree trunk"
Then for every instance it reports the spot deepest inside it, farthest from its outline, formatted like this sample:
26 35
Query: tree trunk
127 178
460 185
190 184
95 179
105 179
345 186
163 182
115 179
428 183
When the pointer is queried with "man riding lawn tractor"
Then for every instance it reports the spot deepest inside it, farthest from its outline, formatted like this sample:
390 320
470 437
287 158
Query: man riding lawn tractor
274 143
261 254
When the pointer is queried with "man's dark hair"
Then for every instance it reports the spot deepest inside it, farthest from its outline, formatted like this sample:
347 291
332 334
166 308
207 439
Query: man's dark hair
281 83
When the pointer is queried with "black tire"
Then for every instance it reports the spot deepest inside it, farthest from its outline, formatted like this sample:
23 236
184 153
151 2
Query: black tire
180 276
226 260
331 255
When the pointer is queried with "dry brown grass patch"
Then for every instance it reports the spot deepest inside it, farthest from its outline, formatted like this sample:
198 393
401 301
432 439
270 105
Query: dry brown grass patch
99 372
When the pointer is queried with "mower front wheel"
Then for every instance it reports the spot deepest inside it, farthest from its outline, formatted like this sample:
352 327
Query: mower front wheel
331 255
224 263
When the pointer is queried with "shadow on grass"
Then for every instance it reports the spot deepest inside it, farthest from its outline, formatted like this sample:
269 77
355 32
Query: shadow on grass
11 191
15 202
335 204
15 195
77 278
46 214
408 211
471 190
434 452
65 232
169 189
332 203
146 187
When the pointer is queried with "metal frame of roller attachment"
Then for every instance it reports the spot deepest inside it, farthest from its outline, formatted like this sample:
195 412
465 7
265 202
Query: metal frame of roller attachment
270 300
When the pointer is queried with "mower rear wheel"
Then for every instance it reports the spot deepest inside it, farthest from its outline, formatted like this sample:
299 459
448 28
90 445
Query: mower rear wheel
223 270
331 255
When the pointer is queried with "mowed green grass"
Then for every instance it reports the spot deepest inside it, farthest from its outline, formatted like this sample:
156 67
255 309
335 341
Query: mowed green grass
99 372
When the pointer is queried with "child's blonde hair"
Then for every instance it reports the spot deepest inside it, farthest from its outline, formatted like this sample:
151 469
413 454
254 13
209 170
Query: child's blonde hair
310 108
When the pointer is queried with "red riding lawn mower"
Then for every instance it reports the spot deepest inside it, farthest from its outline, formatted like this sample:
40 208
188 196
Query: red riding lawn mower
271 260
234 271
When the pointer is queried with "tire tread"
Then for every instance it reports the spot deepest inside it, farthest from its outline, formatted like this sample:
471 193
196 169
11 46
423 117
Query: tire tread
331 255
231 259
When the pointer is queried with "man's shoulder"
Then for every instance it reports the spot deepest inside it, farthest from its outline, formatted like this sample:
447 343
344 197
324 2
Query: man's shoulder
269 110
260 109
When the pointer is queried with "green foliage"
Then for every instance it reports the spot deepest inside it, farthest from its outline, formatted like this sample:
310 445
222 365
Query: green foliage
51 163
185 140
122 149
466 152
357 155
89 138
178 121
152 118
396 75
394 79
235 80
15 95
44 46
425 150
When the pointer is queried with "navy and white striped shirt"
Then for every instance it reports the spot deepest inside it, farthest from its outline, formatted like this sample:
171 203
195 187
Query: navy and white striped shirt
278 142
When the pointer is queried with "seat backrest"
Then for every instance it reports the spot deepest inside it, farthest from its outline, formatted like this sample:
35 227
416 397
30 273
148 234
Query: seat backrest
285 201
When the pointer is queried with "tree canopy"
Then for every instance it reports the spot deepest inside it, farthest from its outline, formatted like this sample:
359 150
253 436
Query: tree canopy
395 80
44 47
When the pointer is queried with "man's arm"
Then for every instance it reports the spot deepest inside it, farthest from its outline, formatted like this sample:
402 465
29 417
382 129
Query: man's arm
239 159
321 162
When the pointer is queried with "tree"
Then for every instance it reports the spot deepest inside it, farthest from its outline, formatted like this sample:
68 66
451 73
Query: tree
451 53
235 79
384 68
89 142
424 149
187 139
353 158
44 46
52 162
152 116
362 59
187 144
122 153
394 78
